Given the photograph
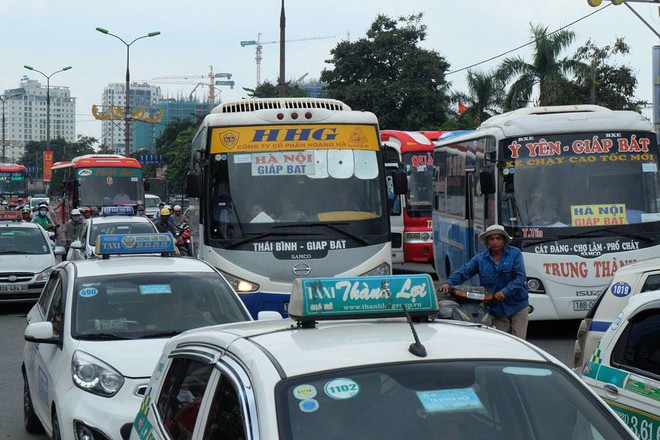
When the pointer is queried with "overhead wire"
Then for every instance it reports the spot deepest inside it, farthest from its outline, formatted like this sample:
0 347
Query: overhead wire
528 43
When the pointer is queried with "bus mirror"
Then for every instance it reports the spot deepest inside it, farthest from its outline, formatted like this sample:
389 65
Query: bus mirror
71 185
193 185
400 182
147 185
487 181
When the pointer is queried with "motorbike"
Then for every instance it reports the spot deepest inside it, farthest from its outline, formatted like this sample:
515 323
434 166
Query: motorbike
465 303
183 239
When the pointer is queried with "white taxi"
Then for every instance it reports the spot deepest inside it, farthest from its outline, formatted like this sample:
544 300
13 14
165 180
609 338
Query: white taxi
27 256
628 281
112 221
625 367
99 327
315 376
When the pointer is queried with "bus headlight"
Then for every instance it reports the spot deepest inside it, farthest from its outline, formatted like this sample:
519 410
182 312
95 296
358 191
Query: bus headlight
417 236
380 270
534 285
239 284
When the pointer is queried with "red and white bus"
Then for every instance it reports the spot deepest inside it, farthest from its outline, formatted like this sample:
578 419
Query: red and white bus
13 183
410 213
95 180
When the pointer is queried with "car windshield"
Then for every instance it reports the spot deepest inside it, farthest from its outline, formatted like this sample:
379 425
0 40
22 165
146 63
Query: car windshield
15 240
443 400
145 227
149 305
151 202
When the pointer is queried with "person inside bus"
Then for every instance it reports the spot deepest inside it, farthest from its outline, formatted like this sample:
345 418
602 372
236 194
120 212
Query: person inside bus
501 271
258 214
289 212
222 203
121 198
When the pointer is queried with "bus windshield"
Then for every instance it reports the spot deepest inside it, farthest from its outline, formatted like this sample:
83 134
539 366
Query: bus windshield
253 192
419 167
580 180
13 184
110 186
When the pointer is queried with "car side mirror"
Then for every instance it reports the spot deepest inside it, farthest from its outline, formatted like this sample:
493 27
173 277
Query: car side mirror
268 315
77 244
400 182
60 250
41 332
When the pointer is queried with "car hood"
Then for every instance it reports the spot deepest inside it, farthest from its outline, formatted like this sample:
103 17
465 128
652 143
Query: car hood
26 263
135 358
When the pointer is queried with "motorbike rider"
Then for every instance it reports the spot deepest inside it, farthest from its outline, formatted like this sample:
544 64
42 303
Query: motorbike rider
86 213
26 214
163 224
501 270
72 227
44 220
179 217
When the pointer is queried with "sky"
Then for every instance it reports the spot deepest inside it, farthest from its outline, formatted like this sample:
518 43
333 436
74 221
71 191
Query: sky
196 34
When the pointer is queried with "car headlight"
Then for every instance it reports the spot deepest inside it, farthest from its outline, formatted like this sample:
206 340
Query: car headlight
240 285
534 285
380 270
95 376
44 275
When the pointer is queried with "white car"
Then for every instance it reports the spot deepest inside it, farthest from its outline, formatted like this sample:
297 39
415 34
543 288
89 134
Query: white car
99 327
27 256
317 377
628 281
151 203
84 247
625 367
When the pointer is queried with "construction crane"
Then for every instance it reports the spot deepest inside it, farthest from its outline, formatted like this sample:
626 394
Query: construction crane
259 45
211 76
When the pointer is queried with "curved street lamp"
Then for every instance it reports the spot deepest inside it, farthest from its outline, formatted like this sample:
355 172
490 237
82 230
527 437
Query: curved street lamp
47 98
127 118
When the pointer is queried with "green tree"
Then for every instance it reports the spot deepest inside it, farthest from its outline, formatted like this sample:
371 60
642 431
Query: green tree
388 74
62 150
174 145
270 90
484 99
547 70
597 81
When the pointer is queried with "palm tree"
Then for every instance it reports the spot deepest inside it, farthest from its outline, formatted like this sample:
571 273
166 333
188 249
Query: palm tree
546 70
486 94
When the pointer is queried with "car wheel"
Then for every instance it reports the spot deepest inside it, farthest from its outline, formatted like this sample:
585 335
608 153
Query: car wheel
30 419
56 427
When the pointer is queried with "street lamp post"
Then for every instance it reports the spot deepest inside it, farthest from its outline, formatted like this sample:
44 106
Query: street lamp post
47 98
3 99
127 118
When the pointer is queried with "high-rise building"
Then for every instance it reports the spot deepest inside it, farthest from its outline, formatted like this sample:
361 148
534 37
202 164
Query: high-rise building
141 96
25 115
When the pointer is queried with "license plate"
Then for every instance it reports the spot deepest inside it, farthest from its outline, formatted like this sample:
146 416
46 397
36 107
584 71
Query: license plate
582 305
13 287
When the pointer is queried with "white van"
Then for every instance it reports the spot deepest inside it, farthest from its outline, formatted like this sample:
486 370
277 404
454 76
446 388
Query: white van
628 281
151 203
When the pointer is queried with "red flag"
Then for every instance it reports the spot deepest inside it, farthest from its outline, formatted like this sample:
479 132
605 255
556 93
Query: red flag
462 108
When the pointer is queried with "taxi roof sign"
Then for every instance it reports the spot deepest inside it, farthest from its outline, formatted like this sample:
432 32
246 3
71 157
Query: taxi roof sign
362 297
130 244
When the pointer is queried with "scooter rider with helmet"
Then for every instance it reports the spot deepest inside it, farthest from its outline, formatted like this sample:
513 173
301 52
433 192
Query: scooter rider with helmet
44 220
26 214
164 224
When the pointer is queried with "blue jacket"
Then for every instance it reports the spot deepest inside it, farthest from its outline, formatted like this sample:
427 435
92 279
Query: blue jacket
508 276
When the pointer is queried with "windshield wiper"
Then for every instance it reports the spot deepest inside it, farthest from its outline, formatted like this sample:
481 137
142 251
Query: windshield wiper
103 337
167 334
356 237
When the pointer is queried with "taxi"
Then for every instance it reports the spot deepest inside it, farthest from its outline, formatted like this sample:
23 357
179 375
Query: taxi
27 256
113 220
362 358
99 327
624 370
628 281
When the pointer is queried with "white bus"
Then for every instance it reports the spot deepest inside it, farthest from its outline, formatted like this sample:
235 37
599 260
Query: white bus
577 188
287 188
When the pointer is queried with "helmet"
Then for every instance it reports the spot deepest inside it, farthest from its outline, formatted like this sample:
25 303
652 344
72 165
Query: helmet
43 205
85 209
27 209
165 211
75 212
177 207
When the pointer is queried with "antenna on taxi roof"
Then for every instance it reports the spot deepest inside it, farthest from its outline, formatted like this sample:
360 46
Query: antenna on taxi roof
416 348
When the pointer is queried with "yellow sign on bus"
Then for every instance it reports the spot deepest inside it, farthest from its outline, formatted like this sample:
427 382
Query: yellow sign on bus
598 215
294 137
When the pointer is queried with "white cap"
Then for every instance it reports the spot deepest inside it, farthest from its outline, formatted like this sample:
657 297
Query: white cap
75 211
177 207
